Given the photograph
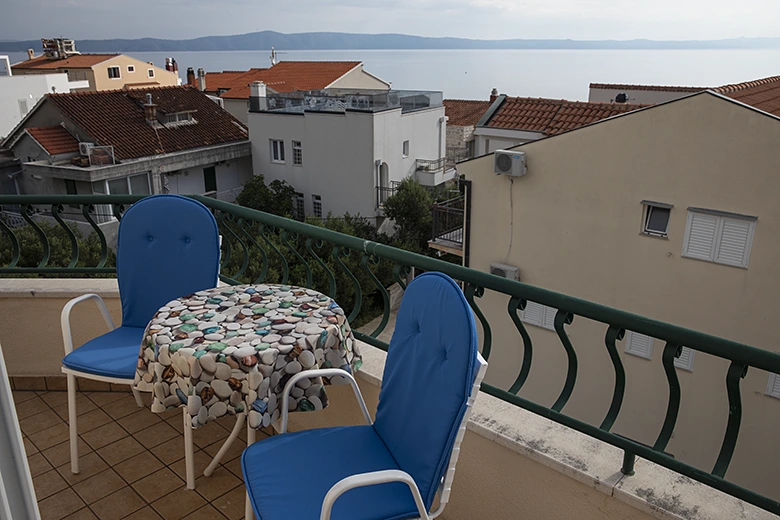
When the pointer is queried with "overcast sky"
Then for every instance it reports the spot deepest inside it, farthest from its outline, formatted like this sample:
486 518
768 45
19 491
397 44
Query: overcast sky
484 19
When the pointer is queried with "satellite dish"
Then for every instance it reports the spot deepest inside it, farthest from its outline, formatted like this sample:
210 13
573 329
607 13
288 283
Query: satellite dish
621 98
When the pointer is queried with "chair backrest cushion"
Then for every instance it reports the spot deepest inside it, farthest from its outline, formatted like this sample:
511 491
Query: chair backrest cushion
168 246
429 372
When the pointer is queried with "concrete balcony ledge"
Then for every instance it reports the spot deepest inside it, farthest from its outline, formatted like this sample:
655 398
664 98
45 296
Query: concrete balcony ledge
57 287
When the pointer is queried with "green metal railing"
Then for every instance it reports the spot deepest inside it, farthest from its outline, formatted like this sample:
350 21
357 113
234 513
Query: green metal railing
263 245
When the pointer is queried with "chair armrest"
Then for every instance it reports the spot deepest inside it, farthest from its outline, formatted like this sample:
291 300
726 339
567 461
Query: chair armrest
370 479
67 337
321 372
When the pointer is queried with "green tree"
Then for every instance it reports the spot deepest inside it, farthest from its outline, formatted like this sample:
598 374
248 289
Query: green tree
411 209
276 197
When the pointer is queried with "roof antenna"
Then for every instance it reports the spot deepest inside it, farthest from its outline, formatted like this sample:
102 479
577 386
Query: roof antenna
273 57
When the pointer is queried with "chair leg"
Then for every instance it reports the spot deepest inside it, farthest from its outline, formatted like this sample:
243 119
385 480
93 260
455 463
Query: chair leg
226 446
138 399
249 513
189 451
72 425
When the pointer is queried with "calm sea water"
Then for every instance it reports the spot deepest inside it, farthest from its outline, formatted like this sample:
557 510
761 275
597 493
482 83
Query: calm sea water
471 74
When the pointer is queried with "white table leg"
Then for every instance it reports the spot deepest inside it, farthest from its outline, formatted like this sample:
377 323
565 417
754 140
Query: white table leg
249 513
189 450
226 446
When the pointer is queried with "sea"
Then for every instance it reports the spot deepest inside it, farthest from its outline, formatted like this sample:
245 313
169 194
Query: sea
472 74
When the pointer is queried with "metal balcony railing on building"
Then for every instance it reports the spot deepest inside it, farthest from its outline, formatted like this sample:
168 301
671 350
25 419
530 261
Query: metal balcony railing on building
448 226
341 100
385 192
258 245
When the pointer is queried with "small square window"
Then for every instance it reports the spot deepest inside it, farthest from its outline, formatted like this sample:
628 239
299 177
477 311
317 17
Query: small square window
131 68
297 153
656 219
406 149
150 72
114 73
685 361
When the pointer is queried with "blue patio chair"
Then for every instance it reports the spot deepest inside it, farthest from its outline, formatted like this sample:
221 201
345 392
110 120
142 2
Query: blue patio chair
393 468
168 246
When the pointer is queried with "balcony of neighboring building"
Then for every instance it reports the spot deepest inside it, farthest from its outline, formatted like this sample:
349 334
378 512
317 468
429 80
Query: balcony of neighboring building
448 226
342 100
521 457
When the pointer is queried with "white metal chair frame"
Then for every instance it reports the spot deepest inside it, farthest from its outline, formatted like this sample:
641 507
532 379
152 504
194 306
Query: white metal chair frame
378 477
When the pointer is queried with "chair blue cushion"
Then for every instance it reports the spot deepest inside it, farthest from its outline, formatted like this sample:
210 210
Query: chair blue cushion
111 355
287 476
430 369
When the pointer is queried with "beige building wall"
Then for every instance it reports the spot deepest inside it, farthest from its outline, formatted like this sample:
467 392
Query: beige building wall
576 229
101 81
358 78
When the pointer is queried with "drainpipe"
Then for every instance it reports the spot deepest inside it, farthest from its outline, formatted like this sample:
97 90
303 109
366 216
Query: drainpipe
467 223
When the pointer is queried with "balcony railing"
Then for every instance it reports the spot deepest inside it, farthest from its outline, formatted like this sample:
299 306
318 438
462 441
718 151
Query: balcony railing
429 166
385 192
340 100
448 221
281 250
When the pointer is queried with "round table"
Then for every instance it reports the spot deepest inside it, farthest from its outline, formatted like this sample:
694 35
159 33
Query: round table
231 350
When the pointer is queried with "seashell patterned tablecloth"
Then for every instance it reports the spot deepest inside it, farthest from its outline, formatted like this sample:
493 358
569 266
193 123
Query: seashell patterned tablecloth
232 349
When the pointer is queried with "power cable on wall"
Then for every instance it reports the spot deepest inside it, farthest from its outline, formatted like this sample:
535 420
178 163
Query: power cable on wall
511 218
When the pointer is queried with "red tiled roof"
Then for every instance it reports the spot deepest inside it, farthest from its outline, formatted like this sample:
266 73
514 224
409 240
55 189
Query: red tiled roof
465 112
763 94
116 118
552 116
79 61
285 76
660 88
54 139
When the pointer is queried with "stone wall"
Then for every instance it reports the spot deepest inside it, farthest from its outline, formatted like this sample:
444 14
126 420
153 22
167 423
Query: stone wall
457 136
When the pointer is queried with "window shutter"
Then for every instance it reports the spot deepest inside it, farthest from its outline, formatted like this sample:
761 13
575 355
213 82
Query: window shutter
533 313
733 244
639 345
773 385
685 361
700 239
549 317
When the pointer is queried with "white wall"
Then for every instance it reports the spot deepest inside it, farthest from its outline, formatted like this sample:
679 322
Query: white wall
231 176
638 97
28 88
238 108
358 78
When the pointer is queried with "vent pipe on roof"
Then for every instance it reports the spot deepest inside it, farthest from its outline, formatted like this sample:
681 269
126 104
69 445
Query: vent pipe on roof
257 97
201 80
30 54
493 94
150 110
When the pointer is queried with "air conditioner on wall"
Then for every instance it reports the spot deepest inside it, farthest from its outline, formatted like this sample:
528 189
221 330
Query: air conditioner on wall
505 271
509 163
85 147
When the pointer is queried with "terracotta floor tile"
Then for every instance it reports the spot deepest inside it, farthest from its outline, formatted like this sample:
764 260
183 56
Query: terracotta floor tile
201 461
231 504
83 405
57 383
29 447
209 434
104 435
89 466
143 418
178 504
91 420
50 436
234 466
60 505
39 422
157 434
122 407
219 483
170 451
30 407
138 467
158 484
234 451
207 512
38 464
103 399
20 396
118 505
82 514
60 454
146 513
89 385
177 422
30 383
58 398
120 450
47 484
99 486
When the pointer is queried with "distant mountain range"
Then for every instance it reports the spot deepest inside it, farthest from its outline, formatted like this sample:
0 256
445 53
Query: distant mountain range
335 41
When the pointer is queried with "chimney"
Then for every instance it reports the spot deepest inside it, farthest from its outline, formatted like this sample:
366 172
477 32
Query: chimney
257 97
175 66
191 77
150 110
30 54
493 94
201 80
168 65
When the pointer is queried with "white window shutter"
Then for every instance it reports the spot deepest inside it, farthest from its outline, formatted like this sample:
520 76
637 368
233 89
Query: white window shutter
533 313
734 242
773 385
700 236
639 345
549 317
685 361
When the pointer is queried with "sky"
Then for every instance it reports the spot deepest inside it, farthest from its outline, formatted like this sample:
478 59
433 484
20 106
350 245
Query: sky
482 19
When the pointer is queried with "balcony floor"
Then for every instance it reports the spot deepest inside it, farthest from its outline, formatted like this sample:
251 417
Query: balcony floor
132 461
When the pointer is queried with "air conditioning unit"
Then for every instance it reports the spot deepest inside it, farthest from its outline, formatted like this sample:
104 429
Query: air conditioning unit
85 147
509 163
505 271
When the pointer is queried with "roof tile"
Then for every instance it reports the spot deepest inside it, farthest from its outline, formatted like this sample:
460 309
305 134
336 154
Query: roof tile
660 88
79 61
465 112
54 139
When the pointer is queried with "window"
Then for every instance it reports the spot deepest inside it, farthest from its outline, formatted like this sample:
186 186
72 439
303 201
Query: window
718 237
210 179
685 361
134 184
131 68
297 153
406 149
119 186
178 117
277 151
539 315
773 386
150 73
317 201
639 345
656 218
470 149
70 189
113 73
23 108
300 211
